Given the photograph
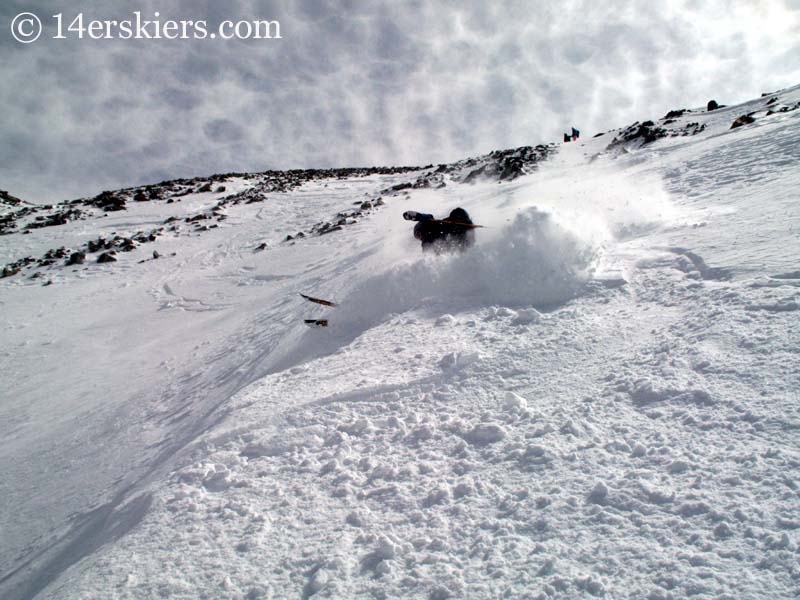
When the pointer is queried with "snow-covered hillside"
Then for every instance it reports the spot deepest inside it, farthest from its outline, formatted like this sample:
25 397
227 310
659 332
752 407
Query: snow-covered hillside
600 399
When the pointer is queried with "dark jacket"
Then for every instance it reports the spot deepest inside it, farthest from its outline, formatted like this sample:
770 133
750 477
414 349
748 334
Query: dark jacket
446 234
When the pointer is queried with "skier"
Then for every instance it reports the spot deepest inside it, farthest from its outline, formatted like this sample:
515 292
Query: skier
456 232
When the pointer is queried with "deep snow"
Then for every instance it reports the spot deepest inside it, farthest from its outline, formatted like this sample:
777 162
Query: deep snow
598 400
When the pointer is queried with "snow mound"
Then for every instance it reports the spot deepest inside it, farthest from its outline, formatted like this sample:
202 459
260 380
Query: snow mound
533 261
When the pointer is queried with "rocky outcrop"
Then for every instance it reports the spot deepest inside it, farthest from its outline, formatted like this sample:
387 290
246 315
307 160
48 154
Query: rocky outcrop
108 201
743 120
76 258
8 199
107 257
645 133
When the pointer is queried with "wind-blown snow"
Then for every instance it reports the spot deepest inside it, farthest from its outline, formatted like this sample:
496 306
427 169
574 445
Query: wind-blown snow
597 400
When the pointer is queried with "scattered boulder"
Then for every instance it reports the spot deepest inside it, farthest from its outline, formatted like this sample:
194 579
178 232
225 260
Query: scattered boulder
647 132
329 230
57 218
743 120
10 270
140 196
108 201
52 255
674 114
94 246
712 105
7 198
107 257
204 188
76 258
127 245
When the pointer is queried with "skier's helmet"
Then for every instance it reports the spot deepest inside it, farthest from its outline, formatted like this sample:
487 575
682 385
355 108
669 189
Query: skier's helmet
459 215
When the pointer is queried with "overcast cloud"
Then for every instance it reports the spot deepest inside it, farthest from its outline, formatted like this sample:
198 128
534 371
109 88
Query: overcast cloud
363 83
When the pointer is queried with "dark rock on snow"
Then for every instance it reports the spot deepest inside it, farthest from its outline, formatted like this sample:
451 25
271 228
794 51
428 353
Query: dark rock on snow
76 258
743 120
107 257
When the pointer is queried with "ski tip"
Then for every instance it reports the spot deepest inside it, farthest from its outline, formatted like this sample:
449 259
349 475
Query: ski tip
318 300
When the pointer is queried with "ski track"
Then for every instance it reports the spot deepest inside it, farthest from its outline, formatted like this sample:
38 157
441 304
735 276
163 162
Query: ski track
623 423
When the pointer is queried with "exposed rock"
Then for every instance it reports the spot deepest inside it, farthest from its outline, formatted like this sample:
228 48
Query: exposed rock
107 257
712 105
7 198
674 114
400 187
94 246
58 218
76 258
10 270
501 165
646 132
742 120
329 230
127 245
108 201
51 256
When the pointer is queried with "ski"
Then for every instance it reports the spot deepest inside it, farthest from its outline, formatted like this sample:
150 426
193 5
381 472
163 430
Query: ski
318 300
316 322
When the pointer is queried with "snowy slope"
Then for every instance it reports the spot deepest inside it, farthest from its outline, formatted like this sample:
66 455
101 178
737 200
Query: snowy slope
598 400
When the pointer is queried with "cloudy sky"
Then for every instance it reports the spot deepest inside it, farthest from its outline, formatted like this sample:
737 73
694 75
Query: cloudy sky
362 82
